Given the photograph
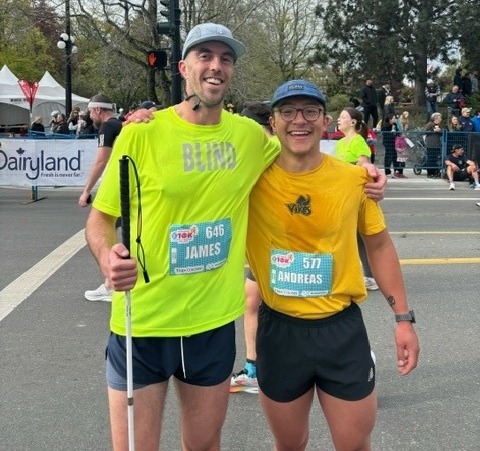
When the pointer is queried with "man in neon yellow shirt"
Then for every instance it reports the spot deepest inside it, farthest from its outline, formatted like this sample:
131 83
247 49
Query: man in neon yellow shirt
302 247
197 164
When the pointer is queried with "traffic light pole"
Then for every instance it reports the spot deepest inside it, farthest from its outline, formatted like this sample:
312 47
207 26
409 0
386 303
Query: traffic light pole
172 29
176 54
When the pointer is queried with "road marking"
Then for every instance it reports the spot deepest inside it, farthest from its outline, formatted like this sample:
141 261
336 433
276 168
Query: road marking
23 286
454 199
470 232
440 261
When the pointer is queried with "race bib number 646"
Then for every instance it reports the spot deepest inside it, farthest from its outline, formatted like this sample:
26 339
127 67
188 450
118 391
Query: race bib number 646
199 247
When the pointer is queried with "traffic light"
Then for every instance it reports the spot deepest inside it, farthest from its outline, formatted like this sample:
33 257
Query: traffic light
157 59
170 14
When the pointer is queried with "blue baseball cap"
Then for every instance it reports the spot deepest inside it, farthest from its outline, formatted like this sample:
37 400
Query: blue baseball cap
294 88
212 32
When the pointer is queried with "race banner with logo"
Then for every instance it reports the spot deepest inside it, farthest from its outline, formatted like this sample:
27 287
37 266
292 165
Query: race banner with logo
46 162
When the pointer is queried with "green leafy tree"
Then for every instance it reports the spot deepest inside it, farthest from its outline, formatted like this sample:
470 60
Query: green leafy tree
390 39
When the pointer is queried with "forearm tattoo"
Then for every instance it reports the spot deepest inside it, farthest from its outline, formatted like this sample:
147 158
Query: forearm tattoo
391 301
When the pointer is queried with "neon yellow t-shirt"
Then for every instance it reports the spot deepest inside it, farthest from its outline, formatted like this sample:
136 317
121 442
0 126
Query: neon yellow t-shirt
195 183
352 150
302 237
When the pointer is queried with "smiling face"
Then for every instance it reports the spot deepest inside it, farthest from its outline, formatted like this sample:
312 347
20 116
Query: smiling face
299 137
208 72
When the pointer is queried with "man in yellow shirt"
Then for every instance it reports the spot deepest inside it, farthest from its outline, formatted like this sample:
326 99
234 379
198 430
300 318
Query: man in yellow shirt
302 247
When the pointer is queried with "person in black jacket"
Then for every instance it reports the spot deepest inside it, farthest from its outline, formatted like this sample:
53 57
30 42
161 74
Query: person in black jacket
369 100
37 127
60 127
383 93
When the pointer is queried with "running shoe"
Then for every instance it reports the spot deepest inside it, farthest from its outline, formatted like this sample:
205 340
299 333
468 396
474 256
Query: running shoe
102 293
245 381
452 186
370 283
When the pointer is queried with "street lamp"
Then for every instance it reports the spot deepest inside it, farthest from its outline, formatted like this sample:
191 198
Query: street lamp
66 43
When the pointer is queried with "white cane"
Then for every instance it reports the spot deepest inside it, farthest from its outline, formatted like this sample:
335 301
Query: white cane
125 209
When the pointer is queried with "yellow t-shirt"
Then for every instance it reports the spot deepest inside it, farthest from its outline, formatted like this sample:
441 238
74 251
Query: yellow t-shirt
302 237
195 183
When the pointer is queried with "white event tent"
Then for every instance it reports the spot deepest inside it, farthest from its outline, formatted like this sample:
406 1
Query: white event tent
15 110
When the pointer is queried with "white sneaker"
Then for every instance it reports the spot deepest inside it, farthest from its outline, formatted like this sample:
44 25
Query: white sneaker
370 283
477 204
242 382
102 293
477 188
452 186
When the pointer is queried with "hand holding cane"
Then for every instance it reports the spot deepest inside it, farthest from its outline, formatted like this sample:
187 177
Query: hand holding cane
125 211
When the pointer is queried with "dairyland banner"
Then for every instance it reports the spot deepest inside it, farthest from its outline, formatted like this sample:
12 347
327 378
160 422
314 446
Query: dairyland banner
46 162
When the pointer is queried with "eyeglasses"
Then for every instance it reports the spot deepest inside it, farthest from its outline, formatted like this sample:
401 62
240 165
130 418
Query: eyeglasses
310 114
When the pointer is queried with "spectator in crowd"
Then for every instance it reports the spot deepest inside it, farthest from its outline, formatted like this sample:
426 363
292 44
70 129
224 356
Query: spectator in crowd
453 125
88 129
389 107
466 85
356 104
389 132
433 142
60 126
72 120
371 141
476 121
37 126
465 122
432 94
404 120
121 114
53 116
457 78
475 137
460 168
383 92
401 148
474 81
230 108
80 123
369 102
455 101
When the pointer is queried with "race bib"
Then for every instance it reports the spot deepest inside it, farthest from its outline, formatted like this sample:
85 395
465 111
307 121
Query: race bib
199 247
300 274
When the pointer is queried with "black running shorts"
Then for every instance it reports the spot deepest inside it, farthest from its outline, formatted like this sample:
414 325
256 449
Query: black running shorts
293 355
206 359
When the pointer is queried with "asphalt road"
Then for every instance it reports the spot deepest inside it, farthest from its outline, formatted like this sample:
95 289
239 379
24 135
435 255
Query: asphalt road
53 394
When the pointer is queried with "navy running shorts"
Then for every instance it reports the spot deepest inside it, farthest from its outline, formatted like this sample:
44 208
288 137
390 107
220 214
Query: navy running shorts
204 359
294 355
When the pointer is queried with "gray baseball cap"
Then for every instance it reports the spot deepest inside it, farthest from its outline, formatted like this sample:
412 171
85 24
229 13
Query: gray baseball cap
212 32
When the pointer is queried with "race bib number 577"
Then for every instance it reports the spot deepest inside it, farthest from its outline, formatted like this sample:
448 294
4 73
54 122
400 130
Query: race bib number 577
300 274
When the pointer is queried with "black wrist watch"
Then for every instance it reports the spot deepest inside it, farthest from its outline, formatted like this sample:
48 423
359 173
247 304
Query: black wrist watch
410 316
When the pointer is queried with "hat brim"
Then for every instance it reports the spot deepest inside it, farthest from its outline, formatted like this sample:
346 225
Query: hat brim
298 94
237 47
